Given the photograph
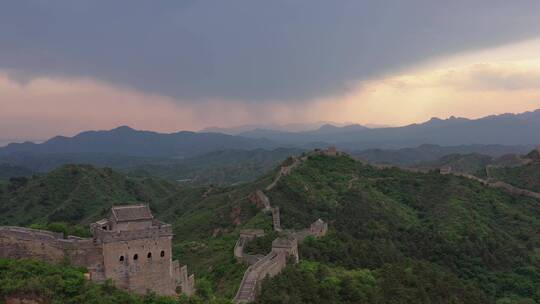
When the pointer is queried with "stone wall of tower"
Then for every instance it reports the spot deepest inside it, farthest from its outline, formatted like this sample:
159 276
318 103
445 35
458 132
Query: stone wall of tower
141 264
86 253
132 225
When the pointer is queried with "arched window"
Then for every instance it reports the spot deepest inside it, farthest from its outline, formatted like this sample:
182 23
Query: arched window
135 257
121 258
149 255
162 253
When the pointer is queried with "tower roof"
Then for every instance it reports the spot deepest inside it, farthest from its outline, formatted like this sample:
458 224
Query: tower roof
131 213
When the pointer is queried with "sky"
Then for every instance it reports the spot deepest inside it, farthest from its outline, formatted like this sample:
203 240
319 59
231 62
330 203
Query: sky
68 66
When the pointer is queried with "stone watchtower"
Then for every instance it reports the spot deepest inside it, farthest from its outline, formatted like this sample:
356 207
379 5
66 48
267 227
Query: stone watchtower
319 228
137 252
288 246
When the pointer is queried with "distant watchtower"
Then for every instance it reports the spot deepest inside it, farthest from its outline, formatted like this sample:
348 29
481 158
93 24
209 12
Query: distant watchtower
286 245
319 228
137 252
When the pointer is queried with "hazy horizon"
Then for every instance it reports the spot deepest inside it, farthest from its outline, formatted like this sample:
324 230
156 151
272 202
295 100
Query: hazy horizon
249 127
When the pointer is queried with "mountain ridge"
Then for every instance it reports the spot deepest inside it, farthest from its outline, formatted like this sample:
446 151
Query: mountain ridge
130 142
505 129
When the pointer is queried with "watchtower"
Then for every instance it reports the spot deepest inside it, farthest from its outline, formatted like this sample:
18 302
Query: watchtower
319 228
137 252
287 245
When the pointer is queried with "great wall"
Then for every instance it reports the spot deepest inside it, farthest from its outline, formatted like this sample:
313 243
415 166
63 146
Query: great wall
489 181
284 248
493 183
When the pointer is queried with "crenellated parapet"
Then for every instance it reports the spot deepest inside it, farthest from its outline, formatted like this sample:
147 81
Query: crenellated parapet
158 229
247 235
183 279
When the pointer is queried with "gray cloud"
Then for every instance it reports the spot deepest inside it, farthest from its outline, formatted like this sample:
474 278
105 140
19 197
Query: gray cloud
248 49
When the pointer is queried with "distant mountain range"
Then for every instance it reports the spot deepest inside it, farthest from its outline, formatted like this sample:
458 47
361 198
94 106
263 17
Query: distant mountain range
326 133
292 127
505 129
129 142
125 147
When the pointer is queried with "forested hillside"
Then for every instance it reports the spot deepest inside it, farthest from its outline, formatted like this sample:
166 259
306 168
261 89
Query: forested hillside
474 164
410 237
7 171
221 167
432 153
74 194
395 236
216 168
526 176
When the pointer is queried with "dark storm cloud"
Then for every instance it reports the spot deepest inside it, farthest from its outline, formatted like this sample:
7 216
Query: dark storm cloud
248 49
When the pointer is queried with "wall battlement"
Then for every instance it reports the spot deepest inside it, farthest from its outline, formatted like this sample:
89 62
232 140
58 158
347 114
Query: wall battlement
107 236
29 233
25 243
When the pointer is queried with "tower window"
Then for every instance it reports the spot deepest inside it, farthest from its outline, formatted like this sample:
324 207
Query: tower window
121 258
149 255
162 253
135 257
